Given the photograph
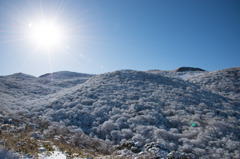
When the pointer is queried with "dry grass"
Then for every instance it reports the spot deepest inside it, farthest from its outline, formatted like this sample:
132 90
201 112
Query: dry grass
19 142
19 139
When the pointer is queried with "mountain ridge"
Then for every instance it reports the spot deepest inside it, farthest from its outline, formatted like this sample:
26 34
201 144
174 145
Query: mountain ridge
64 75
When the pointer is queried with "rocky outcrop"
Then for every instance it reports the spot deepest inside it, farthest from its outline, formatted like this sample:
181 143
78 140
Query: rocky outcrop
187 69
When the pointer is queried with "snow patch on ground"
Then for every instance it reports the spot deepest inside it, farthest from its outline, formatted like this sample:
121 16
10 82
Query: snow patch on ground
186 76
54 155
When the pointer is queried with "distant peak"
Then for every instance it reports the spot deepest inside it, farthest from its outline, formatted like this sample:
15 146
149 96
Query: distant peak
21 75
64 75
186 69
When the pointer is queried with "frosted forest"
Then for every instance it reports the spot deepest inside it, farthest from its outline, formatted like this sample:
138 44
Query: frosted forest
163 114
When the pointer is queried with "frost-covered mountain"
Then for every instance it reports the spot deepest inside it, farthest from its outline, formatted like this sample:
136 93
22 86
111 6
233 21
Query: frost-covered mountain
187 110
19 90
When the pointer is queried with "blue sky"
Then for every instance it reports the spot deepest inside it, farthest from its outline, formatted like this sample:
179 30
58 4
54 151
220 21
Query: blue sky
107 35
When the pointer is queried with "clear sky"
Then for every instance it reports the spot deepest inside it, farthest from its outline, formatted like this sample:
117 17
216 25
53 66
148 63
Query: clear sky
97 36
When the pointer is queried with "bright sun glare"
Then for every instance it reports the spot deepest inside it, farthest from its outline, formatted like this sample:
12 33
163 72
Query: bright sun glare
46 34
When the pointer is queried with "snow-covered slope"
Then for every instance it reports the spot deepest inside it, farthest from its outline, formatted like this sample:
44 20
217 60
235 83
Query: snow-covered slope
182 72
65 75
18 90
224 82
64 79
191 111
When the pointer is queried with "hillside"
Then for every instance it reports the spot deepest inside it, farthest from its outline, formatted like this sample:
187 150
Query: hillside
163 113
19 90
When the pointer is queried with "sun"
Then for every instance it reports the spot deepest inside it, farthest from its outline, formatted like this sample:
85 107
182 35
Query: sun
46 34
